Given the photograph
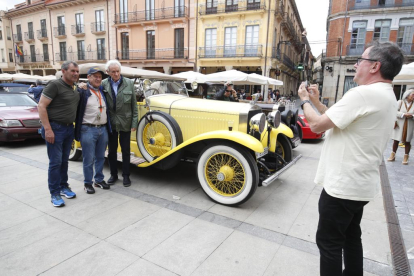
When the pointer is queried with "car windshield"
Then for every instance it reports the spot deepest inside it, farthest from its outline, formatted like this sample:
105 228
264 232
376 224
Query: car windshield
166 87
7 100
14 89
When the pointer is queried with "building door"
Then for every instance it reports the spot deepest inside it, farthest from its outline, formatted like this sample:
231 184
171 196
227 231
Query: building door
211 6
123 11
179 8
405 35
357 46
252 41
149 9
99 23
30 28
125 45
62 48
179 43
43 29
230 40
211 42
100 48
61 25
80 27
45 52
349 83
81 49
32 53
19 32
150 44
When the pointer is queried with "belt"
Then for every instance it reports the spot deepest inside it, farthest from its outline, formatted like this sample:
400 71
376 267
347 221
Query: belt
62 124
91 125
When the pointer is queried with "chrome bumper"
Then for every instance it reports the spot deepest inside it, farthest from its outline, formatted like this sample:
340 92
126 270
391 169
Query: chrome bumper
276 175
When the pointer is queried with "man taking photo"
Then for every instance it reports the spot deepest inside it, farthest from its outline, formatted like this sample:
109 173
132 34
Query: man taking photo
227 93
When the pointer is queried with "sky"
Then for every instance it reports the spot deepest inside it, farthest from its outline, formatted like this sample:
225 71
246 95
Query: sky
313 15
313 18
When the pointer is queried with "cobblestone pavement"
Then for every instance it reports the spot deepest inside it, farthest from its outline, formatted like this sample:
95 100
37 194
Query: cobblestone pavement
165 225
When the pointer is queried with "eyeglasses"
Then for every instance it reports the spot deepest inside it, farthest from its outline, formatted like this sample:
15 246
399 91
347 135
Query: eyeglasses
229 90
361 59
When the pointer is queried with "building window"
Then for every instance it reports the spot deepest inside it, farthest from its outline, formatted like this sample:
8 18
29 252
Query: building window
100 48
211 6
8 32
179 8
81 49
62 48
349 83
179 43
1 35
125 45
30 28
252 41
150 44
80 27
382 30
123 11
43 29
211 42
405 34
21 57
2 56
149 9
61 26
230 40
359 29
19 32
45 52
231 5
386 2
10 55
32 53
99 24
253 4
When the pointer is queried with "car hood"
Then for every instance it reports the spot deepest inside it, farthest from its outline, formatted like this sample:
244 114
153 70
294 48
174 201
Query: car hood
198 105
19 112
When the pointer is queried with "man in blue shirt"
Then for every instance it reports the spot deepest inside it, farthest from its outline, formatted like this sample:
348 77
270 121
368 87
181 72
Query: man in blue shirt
36 90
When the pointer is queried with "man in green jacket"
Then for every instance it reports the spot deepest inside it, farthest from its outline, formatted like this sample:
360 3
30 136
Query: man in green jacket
123 114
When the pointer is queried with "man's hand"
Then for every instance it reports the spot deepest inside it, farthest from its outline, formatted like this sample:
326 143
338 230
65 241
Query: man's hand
303 93
82 85
314 93
133 129
234 93
408 115
50 136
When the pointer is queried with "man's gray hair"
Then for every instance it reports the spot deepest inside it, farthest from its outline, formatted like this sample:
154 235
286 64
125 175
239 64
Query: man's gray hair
111 63
390 56
66 64
38 82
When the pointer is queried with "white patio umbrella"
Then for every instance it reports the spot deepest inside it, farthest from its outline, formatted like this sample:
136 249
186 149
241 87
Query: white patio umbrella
191 76
6 77
406 75
237 77
269 80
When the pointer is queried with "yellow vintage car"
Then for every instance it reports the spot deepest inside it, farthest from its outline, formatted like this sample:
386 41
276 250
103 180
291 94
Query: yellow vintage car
236 147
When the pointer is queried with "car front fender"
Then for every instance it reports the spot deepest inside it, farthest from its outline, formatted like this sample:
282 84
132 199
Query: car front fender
241 138
282 129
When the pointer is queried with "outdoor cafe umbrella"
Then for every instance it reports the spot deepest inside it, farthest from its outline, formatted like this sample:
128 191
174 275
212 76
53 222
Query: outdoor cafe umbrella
237 77
6 77
269 80
191 76
406 75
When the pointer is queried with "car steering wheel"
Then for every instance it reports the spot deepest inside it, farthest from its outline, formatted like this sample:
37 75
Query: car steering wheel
154 91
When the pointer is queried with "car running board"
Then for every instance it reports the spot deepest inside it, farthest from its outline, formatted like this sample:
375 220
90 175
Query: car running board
276 175
134 159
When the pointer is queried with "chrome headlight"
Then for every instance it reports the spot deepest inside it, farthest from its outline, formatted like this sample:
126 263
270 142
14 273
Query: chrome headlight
274 118
258 120
10 123
194 85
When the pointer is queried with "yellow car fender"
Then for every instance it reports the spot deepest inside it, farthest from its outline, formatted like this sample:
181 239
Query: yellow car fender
236 136
283 129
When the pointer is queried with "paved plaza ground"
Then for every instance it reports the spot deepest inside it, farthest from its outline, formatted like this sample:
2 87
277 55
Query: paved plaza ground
165 225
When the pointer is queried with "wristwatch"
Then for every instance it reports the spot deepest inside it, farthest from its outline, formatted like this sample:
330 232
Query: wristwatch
303 102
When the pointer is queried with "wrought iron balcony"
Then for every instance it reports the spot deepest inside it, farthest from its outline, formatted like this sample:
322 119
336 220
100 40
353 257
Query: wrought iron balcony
288 62
355 49
32 58
280 9
231 51
18 37
156 53
287 24
148 15
42 34
98 27
29 36
221 7
81 56
59 32
78 30
381 4
276 53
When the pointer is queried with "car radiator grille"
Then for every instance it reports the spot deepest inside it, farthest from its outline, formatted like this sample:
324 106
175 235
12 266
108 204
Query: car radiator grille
32 123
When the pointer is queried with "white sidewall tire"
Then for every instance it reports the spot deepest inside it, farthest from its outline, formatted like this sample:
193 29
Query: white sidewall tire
140 130
243 161
75 153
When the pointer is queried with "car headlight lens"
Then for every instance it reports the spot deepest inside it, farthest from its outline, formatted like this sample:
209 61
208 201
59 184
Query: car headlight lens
258 120
274 118
10 123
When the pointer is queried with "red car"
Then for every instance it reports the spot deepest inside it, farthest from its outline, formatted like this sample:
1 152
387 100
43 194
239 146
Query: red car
306 131
19 117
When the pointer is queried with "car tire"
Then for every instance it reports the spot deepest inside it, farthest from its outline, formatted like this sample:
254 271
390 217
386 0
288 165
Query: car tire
213 166
300 131
284 148
157 127
75 153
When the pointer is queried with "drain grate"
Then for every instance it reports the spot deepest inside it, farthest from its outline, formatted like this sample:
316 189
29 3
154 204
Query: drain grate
398 252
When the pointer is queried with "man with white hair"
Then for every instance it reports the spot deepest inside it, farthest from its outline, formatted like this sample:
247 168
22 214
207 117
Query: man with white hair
123 114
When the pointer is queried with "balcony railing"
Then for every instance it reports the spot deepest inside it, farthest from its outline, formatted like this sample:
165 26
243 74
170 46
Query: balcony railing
59 32
78 30
288 62
98 27
280 9
29 36
158 53
288 25
18 37
32 58
147 15
276 53
355 49
221 7
354 5
230 51
42 34
81 55
407 48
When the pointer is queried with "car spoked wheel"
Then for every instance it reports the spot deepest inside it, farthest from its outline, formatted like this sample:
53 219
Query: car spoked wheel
157 134
284 148
227 174
75 153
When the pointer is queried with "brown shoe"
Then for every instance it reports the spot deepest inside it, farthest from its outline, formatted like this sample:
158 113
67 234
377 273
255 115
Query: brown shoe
392 157
405 160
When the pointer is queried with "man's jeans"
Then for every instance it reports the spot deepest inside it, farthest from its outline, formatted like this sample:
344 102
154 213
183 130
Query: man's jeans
58 153
124 142
94 141
339 229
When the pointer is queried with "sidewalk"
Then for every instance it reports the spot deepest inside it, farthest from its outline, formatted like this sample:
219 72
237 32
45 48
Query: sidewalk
144 230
